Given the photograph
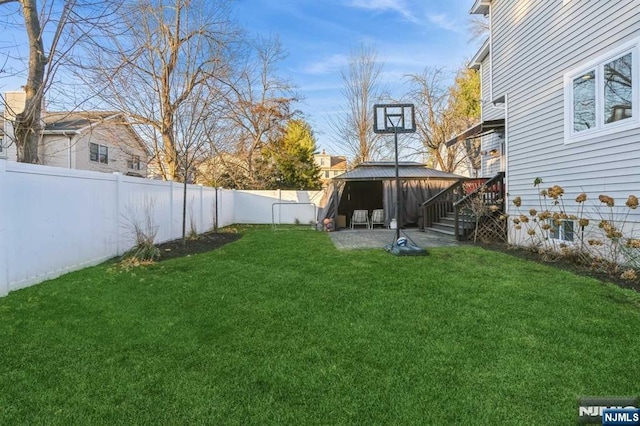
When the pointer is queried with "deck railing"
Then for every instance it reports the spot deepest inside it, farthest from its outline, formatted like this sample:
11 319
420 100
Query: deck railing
491 192
442 203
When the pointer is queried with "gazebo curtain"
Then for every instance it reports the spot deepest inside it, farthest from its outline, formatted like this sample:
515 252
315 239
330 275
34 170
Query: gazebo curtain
414 193
330 201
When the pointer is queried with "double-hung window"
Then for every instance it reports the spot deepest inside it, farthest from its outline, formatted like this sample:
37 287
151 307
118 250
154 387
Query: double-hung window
98 153
601 97
134 162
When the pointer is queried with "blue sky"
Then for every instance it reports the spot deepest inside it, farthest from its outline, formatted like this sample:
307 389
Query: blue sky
318 35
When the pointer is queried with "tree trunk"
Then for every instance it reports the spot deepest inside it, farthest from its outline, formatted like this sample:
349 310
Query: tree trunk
170 157
28 125
184 210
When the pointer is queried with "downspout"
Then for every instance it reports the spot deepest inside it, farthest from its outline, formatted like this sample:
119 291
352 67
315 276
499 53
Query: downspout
69 138
506 136
491 51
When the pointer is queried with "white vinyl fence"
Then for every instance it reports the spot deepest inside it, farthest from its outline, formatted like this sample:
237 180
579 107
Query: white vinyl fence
55 220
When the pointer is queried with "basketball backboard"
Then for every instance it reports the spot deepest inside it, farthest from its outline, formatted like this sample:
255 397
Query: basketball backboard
393 118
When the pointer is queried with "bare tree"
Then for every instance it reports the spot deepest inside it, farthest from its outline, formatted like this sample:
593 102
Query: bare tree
361 89
479 27
191 138
442 111
170 49
53 31
257 104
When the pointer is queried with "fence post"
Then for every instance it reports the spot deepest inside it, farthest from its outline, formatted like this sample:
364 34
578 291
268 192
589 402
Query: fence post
119 226
171 207
4 219
201 224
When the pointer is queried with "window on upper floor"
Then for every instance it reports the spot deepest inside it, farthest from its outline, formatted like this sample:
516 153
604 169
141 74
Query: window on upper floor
1 146
601 97
134 162
98 153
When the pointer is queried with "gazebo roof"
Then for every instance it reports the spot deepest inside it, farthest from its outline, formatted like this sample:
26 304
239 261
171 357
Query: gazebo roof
385 170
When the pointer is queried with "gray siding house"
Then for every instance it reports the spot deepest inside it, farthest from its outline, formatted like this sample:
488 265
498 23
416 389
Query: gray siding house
565 76
100 141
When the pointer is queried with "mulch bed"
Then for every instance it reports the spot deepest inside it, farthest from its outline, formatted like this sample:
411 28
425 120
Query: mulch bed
204 243
562 263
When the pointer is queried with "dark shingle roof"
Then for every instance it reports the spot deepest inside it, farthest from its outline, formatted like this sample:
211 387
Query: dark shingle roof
383 170
59 121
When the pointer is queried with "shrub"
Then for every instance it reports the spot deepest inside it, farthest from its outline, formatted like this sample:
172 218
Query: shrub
605 241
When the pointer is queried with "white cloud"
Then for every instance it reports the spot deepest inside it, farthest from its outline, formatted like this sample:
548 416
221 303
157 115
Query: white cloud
444 22
327 65
398 6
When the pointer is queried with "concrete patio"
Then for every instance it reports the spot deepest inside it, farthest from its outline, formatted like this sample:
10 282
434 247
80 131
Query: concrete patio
349 239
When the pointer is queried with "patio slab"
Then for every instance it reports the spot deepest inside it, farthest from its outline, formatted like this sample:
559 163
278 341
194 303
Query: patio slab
349 239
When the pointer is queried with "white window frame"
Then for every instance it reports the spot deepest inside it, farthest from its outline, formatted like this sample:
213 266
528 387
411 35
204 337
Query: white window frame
99 148
134 163
561 231
601 128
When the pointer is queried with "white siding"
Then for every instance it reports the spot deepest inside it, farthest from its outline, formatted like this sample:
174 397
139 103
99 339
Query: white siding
489 112
122 146
491 164
534 44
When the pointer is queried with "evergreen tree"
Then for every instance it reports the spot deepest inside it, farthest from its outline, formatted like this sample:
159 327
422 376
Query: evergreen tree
288 162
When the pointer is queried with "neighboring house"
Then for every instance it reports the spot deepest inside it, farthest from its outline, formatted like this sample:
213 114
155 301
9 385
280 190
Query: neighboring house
3 150
564 78
330 166
99 141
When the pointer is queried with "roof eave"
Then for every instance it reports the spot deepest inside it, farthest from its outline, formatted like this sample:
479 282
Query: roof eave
95 123
482 53
480 7
63 132
480 129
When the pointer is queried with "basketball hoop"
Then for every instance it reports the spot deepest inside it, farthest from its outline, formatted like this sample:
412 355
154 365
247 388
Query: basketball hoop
394 118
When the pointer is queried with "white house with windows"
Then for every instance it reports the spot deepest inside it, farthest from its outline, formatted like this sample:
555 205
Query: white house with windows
85 140
330 166
562 77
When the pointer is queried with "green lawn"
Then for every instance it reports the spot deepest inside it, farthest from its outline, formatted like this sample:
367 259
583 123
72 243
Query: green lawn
281 328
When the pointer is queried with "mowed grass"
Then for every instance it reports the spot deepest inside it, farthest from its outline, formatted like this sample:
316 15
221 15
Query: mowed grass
281 328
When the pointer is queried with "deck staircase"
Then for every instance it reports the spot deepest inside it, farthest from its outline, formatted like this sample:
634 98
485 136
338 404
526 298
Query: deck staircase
446 225
449 212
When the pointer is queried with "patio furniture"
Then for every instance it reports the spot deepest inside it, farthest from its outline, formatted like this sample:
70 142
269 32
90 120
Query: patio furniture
377 218
360 217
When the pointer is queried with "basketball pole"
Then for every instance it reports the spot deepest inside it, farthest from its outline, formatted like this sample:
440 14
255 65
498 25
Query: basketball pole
398 189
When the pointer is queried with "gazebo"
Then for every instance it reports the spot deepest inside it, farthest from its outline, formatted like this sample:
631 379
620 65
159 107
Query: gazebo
371 185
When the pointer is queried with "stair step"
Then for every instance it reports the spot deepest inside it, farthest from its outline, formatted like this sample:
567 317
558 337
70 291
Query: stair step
443 226
441 231
461 216
451 223
447 220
